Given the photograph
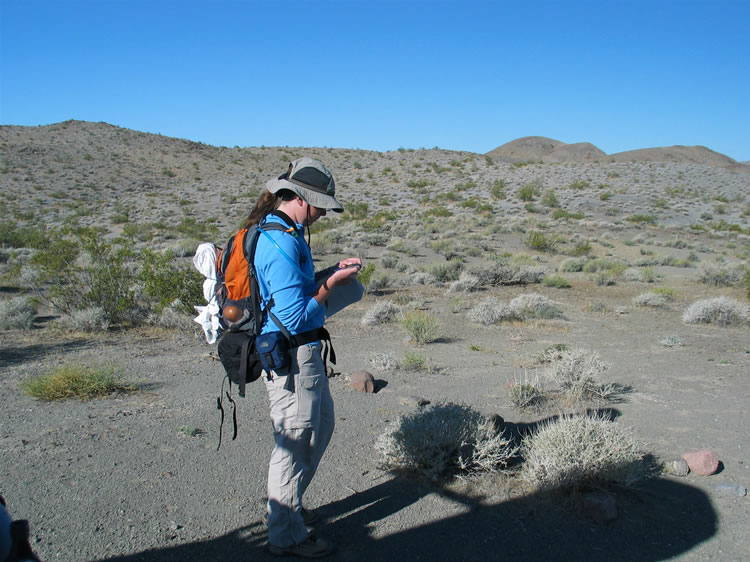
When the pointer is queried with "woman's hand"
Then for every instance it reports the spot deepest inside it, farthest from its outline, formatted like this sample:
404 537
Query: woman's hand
347 269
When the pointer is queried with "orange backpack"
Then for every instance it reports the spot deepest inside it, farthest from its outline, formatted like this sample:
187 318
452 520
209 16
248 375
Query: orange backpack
237 291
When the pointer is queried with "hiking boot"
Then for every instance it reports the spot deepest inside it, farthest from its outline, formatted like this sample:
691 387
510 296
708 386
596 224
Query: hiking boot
310 516
311 547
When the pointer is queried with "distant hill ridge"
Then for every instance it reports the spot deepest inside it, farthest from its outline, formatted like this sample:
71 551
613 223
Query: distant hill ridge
543 149
73 135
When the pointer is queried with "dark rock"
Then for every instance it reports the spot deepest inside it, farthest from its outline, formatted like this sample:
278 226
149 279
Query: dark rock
598 507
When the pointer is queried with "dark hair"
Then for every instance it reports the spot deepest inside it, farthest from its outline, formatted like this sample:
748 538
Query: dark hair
266 203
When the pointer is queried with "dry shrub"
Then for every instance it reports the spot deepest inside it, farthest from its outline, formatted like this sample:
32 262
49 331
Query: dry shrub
723 311
721 274
444 440
530 305
491 311
577 373
534 305
17 313
380 313
508 274
465 283
654 300
89 320
582 451
382 361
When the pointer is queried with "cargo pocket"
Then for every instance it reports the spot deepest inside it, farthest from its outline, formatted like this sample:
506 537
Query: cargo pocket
308 400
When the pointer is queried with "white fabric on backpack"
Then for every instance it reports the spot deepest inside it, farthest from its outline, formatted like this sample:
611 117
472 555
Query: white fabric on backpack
204 261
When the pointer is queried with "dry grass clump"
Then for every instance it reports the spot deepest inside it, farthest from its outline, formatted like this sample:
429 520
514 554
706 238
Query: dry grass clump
444 440
526 394
465 283
723 311
534 305
76 381
582 451
88 320
17 313
577 373
491 310
381 312
382 361
721 274
652 299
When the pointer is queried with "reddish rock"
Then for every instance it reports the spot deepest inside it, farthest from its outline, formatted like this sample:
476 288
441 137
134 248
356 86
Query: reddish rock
702 462
362 381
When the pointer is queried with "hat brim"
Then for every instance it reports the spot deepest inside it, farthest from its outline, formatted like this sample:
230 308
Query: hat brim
314 198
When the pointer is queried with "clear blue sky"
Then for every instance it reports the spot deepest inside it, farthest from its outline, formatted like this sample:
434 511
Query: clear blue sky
464 75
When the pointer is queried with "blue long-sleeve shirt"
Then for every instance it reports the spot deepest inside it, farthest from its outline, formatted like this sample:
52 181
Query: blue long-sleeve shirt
291 282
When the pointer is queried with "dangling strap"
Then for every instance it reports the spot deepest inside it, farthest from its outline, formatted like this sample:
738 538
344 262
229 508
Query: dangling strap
220 407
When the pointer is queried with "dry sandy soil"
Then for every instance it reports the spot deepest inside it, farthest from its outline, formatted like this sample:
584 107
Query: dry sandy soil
138 477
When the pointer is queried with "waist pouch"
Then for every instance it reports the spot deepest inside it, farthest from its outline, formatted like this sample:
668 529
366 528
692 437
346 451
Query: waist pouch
275 348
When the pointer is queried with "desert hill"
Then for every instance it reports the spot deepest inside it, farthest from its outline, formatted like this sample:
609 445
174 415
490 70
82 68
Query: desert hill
694 154
543 149
98 174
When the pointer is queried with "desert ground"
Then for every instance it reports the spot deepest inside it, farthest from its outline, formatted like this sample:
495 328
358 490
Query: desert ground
137 475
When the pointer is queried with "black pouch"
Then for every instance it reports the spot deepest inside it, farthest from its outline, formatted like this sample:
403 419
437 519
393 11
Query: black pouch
240 358
273 349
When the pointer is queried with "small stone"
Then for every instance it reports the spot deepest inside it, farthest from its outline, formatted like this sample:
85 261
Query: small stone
362 381
677 467
599 507
702 462
413 401
731 490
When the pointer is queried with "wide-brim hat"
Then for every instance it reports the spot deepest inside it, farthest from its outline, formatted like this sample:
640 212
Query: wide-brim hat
312 181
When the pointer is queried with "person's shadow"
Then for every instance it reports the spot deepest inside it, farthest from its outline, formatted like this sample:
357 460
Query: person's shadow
657 521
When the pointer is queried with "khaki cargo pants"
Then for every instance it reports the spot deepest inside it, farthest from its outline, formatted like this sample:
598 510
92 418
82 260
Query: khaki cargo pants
303 420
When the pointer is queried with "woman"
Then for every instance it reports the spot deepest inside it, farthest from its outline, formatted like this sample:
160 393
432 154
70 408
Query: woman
301 404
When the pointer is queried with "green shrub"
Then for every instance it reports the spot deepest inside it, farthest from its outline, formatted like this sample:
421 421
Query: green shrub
421 327
355 211
165 282
549 199
642 219
497 189
581 249
13 236
446 271
365 274
563 214
76 381
556 281
579 184
413 361
572 265
538 241
528 192
81 270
